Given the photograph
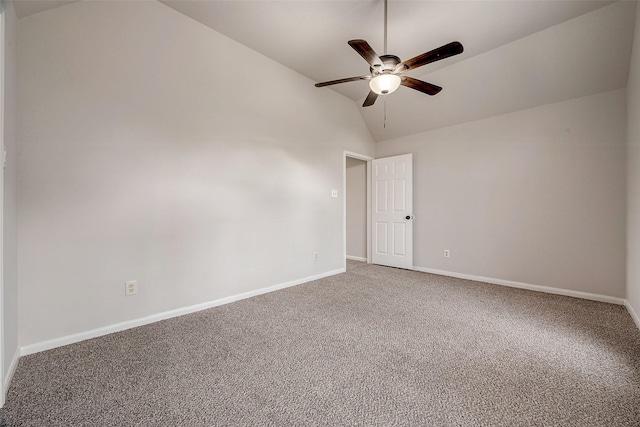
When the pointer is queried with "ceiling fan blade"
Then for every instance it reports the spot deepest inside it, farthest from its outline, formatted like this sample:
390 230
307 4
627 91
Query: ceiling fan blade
419 85
371 99
366 51
348 79
446 51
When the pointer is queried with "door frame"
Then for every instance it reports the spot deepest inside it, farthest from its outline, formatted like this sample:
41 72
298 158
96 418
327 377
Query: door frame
367 159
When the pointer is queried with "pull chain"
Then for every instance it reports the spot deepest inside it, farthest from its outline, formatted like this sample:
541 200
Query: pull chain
385 114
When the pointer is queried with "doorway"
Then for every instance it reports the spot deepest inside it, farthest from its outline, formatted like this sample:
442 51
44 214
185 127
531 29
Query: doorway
357 208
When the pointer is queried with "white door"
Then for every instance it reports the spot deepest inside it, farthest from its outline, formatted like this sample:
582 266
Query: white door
393 211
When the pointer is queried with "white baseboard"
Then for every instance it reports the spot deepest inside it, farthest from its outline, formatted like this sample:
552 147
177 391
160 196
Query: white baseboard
632 312
70 339
512 284
9 376
11 371
356 258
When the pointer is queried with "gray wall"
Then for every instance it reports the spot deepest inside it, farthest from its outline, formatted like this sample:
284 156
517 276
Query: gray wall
633 181
10 291
356 176
536 196
144 158
165 168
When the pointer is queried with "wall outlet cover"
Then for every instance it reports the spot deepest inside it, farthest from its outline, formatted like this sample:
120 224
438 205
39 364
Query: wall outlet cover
130 287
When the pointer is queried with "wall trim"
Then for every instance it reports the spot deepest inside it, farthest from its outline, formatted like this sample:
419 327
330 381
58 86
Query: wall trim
94 333
632 312
117 327
521 285
3 326
356 258
11 371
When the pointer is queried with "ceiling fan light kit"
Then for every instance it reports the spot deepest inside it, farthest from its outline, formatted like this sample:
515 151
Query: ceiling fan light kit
385 84
386 71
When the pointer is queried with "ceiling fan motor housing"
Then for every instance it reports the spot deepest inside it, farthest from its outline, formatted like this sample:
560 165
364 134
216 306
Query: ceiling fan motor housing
389 63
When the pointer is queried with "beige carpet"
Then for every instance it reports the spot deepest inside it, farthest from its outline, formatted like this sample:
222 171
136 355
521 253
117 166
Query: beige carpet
374 346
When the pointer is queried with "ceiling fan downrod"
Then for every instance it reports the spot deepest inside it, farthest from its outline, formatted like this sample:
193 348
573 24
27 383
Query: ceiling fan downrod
385 27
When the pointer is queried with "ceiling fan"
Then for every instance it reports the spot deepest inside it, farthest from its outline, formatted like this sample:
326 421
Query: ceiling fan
386 71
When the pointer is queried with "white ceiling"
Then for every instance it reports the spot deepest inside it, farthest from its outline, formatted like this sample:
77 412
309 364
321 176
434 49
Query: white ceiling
518 54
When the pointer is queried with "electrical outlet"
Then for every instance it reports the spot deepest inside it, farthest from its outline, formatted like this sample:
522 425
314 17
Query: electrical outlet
130 287
315 256
446 253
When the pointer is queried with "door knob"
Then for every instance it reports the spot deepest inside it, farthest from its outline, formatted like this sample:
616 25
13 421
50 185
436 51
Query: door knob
408 217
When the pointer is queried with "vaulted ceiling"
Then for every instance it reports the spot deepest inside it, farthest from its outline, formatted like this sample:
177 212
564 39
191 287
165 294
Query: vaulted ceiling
518 54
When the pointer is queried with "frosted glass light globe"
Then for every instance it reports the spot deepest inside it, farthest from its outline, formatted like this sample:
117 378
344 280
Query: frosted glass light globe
385 83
